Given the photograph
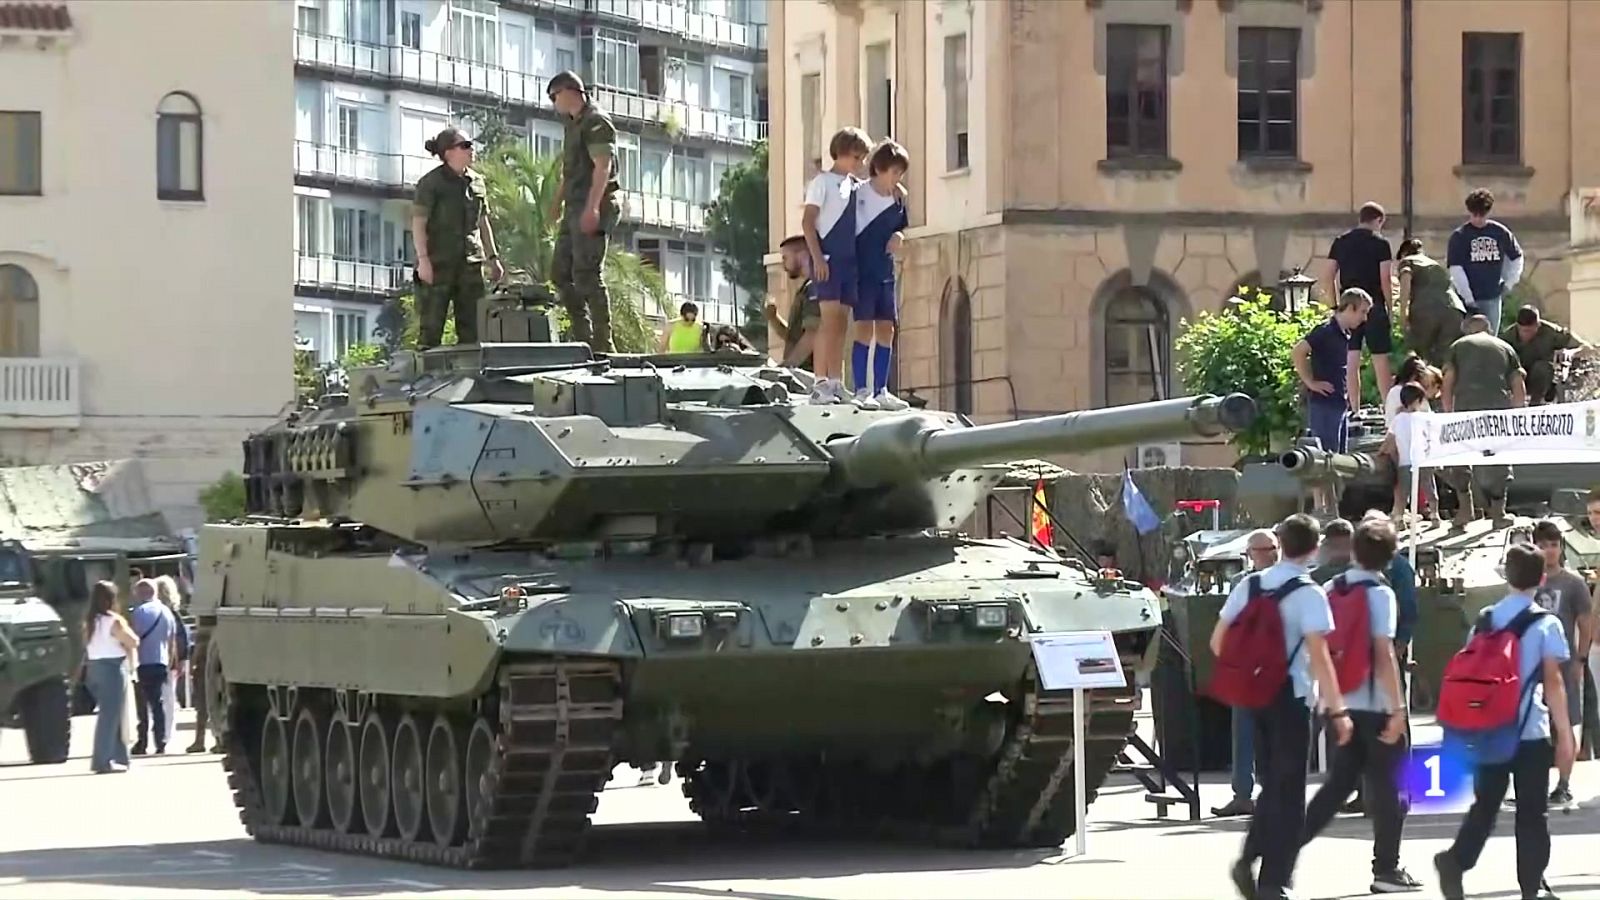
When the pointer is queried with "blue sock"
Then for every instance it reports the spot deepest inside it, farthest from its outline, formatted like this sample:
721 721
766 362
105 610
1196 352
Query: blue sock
858 364
880 367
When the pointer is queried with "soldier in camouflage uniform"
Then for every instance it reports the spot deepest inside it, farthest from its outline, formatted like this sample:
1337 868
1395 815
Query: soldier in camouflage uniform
1537 341
587 210
450 229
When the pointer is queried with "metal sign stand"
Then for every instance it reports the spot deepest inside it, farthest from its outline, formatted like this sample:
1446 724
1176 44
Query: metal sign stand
1079 780
1079 661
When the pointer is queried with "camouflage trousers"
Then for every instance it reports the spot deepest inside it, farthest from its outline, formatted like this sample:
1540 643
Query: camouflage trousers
1430 330
576 270
457 287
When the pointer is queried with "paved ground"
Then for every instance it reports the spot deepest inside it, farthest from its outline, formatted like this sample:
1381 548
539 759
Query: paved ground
168 829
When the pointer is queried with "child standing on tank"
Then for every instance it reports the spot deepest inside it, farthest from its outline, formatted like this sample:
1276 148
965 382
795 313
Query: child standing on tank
881 222
829 224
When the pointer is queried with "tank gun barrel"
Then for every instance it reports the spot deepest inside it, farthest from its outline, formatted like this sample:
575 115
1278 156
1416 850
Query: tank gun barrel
1311 464
920 446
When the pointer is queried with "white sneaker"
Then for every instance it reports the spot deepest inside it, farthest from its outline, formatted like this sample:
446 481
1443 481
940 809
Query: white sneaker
864 400
822 393
890 402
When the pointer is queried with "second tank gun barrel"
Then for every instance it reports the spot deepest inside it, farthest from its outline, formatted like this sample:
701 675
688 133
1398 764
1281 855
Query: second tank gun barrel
1309 463
921 446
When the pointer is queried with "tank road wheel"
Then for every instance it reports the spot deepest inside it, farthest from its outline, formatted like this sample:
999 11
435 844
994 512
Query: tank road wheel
407 779
339 764
447 808
310 801
219 697
376 809
483 753
275 770
46 710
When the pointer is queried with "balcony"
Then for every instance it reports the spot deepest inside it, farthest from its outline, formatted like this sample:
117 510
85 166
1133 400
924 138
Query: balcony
712 312
684 119
661 211
674 19
40 393
362 168
328 273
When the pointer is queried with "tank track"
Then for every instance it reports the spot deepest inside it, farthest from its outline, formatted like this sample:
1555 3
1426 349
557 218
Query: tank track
554 727
1021 796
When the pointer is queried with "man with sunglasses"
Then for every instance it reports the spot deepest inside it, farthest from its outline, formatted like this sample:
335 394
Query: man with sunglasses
586 207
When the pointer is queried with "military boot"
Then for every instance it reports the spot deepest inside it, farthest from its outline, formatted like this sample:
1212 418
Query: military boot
1464 509
1497 509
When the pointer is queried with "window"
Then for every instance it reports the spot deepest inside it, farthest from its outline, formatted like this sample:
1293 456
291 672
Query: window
649 250
1268 92
19 312
955 350
349 127
473 33
652 169
19 153
737 86
880 92
308 19
1136 90
349 329
616 59
363 21
955 102
411 30
697 276
628 161
810 126
1491 95
308 221
566 59
1138 345
357 235
690 177
738 10
179 151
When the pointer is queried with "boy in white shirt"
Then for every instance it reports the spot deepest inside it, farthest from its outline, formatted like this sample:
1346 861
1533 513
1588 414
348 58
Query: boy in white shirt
1397 446
829 225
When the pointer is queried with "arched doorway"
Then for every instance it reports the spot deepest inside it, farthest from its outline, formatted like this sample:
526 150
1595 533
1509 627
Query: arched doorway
1133 330
955 346
19 312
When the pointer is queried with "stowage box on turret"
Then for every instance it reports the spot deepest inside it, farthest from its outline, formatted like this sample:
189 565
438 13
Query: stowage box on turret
489 574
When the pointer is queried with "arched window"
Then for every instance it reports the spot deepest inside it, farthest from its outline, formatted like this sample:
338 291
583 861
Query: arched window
1138 336
955 352
19 312
179 148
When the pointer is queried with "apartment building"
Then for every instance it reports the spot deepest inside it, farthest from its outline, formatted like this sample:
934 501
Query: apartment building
1087 174
141 192
683 79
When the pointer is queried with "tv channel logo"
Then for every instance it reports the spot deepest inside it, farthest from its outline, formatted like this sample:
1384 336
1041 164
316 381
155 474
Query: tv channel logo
1438 779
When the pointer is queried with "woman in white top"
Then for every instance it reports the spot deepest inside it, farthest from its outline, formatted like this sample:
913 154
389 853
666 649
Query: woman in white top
1413 371
108 643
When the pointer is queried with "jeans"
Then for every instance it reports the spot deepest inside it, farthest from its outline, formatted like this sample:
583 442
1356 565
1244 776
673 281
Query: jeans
1244 755
151 704
108 686
1283 739
1380 765
1491 310
1329 419
1530 770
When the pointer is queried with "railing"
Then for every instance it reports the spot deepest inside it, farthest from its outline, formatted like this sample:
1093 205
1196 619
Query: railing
47 390
663 211
359 166
702 27
350 275
425 68
716 312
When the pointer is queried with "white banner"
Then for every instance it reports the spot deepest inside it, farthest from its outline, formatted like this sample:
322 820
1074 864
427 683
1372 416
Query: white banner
1555 433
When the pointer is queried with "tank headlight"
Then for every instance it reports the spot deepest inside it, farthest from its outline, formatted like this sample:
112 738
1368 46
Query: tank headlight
685 625
993 616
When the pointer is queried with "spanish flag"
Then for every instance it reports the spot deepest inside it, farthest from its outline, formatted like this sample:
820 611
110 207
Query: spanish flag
1039 521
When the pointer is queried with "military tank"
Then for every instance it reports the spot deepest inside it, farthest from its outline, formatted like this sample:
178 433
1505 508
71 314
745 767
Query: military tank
470 588
36 661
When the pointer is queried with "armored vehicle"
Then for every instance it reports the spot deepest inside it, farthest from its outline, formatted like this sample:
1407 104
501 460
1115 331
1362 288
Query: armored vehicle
36 661
495 572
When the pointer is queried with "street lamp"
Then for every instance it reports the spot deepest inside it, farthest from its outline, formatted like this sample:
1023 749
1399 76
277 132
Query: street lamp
1296 291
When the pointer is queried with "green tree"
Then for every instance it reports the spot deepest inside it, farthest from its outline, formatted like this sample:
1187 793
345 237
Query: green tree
1247 348
737 224
223 499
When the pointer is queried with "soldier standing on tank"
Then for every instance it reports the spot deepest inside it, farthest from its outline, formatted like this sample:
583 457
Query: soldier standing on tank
586 207
451 234
1482 373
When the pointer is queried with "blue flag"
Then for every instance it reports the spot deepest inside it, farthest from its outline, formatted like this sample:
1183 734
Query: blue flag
1136 508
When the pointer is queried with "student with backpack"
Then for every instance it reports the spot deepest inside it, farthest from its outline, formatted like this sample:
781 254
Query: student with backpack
1495 715
1363 654
1272 658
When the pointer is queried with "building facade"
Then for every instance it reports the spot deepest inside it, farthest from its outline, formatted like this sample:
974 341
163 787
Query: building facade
138 181
1086 174
683 79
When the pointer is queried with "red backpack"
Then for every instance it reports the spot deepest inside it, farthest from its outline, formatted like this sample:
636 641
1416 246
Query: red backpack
1483 687
1350 644
1252 666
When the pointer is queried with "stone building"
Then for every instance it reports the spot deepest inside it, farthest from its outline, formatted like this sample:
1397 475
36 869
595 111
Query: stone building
1089 173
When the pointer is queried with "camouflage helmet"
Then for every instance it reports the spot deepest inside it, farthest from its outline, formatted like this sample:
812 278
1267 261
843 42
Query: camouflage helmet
561 81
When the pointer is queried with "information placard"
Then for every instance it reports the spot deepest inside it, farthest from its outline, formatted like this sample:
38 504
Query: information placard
1077 659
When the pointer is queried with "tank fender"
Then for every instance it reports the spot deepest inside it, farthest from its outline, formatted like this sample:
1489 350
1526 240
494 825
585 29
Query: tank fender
582 624
1115 606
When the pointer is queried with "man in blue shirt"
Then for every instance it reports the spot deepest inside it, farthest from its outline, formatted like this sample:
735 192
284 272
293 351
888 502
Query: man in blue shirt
1283 728
1321 359
1378 716
157 631
1485 259
1541 652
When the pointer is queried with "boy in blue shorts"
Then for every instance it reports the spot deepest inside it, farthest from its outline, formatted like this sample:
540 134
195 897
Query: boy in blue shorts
880 225
829 224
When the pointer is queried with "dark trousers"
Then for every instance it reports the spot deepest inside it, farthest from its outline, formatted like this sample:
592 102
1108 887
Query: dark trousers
1591 713
1283 740
149 703
1530 771
1380 764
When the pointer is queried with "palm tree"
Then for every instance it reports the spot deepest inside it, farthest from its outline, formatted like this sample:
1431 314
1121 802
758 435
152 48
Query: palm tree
522 189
